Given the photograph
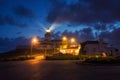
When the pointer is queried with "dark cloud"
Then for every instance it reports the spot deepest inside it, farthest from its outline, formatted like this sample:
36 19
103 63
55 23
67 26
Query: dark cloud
9 20
100 26
86 34
80 35
112 37
86 11
23 11
56 35
5 43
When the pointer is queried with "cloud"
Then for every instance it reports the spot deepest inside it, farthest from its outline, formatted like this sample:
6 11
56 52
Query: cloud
6 43
9 20
23 11
80 35
86 34
100 26
85 12
112 37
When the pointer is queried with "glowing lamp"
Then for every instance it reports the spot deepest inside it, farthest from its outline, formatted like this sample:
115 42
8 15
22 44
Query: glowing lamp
48 30
34 40
72 40
64 38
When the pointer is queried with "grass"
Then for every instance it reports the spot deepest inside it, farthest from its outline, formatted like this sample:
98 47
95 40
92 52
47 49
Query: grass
17 55
62 57
17 58
102 60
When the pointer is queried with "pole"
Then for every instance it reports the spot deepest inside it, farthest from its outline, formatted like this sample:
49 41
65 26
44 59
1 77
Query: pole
53 51
45 52
31 49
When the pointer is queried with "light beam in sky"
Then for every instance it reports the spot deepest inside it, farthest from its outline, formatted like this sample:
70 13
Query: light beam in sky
42 26
51 28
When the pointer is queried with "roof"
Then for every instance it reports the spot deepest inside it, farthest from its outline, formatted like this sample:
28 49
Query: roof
91 42
55 40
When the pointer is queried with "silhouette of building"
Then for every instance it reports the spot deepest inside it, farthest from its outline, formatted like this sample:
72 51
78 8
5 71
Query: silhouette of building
97 47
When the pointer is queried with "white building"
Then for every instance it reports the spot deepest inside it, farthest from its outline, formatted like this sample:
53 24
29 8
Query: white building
97 47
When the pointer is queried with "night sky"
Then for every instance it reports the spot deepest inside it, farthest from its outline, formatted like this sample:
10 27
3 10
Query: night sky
83 19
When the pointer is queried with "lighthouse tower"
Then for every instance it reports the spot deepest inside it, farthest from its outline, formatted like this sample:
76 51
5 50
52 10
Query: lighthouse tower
48 35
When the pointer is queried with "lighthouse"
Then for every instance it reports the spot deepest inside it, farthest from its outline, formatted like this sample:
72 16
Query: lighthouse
48 35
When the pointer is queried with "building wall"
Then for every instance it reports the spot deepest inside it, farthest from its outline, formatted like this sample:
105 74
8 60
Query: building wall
95 48
91 48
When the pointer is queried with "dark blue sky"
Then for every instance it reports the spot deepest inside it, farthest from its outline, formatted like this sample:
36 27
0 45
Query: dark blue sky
83 19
